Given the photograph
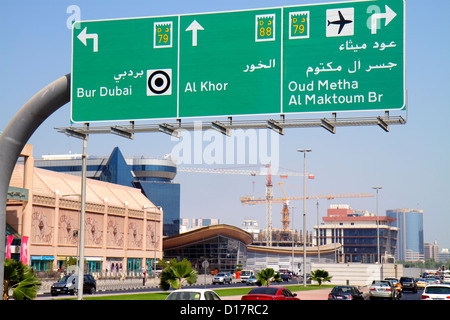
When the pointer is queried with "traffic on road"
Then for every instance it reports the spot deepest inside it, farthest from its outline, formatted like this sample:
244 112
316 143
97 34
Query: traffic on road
405 288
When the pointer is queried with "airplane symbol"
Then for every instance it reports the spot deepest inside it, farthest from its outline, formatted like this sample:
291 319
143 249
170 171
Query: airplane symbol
341 22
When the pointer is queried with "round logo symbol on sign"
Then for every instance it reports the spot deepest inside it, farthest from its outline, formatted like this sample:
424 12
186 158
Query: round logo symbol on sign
159 82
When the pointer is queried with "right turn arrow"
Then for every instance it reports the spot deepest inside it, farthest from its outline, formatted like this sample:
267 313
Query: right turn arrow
389 15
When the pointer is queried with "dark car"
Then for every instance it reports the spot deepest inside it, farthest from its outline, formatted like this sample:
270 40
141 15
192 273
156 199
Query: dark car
345 293
69 285
408 283
270 293
285 277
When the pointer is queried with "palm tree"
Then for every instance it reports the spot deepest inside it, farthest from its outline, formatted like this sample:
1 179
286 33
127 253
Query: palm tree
320 276
21 279
268 275
176 273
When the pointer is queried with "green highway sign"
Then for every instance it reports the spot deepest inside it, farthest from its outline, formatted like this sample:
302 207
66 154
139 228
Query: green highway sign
347 56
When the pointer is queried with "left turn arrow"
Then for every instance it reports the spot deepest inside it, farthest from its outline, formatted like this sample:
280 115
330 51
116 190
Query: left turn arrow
83 36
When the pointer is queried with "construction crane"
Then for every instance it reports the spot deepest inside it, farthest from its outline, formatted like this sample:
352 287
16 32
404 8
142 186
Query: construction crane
285 211
253 200
269 186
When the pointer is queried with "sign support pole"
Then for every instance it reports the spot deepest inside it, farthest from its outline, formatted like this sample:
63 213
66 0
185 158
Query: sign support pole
16 135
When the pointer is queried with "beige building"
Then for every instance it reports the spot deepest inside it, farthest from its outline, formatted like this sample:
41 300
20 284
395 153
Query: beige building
431 251
123 228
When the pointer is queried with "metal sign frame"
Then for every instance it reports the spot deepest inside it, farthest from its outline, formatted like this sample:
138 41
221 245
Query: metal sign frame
224 127
166 81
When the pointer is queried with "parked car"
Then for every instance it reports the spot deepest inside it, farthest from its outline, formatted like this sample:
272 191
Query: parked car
408 283
285 277
252 280
286 274
222 277
270 293
345 293
69 285
245 274
383 289
436 292
193 294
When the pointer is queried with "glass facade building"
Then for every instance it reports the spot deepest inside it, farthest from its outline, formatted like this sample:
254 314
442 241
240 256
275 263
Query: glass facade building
222 253
360 245
410 245
357 232
227 248
223 246
153 176
167 196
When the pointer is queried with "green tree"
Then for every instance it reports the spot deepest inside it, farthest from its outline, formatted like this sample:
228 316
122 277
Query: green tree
21 279
176 273
320 276
266 276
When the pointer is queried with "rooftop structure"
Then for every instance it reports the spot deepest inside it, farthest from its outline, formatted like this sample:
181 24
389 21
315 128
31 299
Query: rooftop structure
123 227
188 225
225 247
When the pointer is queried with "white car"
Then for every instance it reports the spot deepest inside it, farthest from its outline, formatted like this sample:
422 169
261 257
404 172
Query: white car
382 289
222 277
193 294
446 279
436 292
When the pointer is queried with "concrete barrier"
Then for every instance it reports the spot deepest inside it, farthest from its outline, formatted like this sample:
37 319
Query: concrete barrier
120 284
359 274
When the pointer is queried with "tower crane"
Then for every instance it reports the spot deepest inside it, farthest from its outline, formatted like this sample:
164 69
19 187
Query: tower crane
285 211
269 186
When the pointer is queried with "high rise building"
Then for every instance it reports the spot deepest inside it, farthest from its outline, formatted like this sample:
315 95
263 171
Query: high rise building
410 245
153 176
359 232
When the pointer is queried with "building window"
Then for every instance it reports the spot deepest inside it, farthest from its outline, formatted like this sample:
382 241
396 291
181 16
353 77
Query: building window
94 266
42 265
134 266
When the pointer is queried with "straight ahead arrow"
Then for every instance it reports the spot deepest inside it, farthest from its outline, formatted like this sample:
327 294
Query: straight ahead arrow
194 27
83 36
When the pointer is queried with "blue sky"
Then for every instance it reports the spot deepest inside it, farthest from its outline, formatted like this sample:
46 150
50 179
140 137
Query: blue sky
411 162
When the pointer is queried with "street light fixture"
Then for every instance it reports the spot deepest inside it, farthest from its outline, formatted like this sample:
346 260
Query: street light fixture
304 212
318 231
84 137
378 227
292 233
